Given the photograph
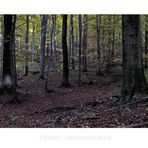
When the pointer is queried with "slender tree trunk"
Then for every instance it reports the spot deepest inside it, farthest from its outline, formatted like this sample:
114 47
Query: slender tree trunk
72 43
51 43
102 45
55 40
70 48
146 40
48 49
109 54
9 78
49 36
27 45
33 34
76 40
43 42
80 43
98 26
1 53
113 40
133 71
65 81
85 30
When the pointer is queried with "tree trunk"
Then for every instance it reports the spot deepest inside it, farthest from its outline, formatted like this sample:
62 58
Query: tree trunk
49 37
72 43
55 40
146 40
1 53
109 52
70 48
43 42
9 78
27 45
133 71
65 81
33 50
80 43
85 30
13 47
103 47
113 40
76 41
98 26
51 43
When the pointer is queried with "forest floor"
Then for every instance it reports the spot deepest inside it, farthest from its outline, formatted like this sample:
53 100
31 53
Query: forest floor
91 105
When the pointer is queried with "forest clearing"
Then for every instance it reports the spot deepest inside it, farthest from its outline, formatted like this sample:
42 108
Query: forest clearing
74 71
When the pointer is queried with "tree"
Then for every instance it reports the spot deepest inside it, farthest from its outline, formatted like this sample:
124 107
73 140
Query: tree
146 40
113 39
98 22
80 43
53 43
43 42
85 30
133 71
1 52
55 39
9 73
70 48
109 52
65 81
49 44
33 34
27 45
76 41
72 42
13 47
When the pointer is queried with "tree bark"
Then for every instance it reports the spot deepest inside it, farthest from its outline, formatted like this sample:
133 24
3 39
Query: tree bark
109 52
33 34
146 40
52 43
27 45
43 42
13 47
1 53
85 30
76 41
80 43
98 26
133 71
55 40
71 46
65 81
9 73
113 40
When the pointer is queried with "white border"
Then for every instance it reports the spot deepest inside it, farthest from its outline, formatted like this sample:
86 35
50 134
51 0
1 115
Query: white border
73 7
73 138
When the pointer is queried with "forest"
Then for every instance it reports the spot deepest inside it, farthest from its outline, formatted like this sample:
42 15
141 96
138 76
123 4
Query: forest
73 71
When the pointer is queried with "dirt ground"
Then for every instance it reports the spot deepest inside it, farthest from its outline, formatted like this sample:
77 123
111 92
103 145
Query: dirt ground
91 105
